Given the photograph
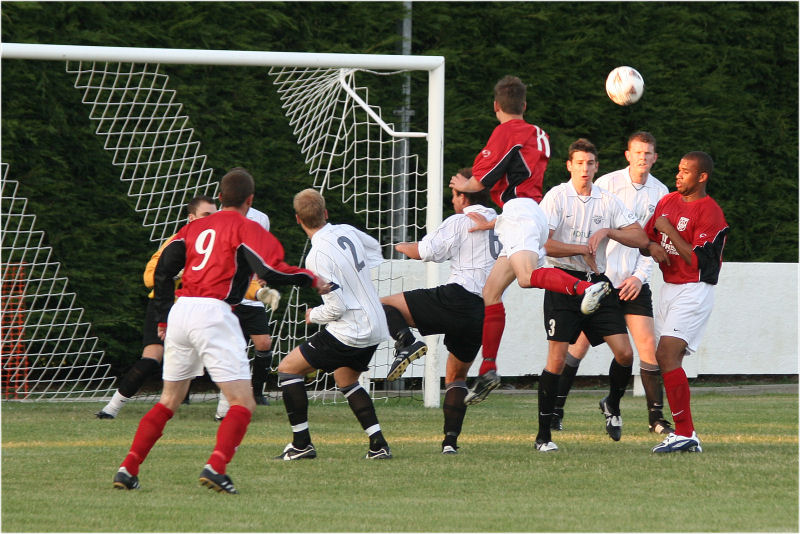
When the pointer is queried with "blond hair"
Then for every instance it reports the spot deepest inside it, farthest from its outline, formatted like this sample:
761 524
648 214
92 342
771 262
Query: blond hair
309 205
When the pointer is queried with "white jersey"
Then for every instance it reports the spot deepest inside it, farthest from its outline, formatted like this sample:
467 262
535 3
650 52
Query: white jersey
472 253
352 312
574 218
641 199
261 218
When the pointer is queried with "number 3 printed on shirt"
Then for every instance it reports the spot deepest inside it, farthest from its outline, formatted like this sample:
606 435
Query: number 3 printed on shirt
203 246
345 243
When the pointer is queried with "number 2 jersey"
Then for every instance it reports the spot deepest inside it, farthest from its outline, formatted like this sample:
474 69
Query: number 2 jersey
219 254
352 311
700 223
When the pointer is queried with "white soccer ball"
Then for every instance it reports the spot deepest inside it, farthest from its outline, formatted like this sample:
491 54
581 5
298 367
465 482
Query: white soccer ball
624 86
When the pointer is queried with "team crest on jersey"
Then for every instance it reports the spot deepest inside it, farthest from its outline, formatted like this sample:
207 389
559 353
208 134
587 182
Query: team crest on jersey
597 219
682 222
651 208
486 153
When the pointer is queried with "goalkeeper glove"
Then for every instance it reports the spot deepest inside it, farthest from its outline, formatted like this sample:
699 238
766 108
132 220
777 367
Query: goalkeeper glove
269 297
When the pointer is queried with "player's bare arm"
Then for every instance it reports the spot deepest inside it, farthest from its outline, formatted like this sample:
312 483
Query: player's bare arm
409 249
559 249
480 222
631 236
684 249
465 185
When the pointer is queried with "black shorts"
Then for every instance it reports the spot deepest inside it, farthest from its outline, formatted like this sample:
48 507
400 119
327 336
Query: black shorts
564 321
450 310
323 351
150 328
641 305
252 319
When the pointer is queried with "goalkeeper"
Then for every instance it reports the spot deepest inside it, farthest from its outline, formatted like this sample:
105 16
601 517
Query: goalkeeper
153 351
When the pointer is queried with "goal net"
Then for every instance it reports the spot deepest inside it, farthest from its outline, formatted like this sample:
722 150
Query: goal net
352 153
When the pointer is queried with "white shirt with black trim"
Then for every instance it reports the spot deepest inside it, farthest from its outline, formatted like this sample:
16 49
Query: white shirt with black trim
352 312
472 253
574 218
641 199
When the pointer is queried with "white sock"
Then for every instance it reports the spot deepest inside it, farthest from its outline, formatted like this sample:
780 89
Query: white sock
222 406
115 404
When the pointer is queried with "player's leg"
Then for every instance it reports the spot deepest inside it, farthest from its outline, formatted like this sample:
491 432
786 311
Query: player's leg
230 433
575 354
254 324
262 360
669 354
641 328
151 427
292 372
361 404
148 365
494 323
548 388
455 385
406 347
619 376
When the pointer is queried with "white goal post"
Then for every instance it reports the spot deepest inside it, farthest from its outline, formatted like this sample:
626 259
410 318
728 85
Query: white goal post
301 77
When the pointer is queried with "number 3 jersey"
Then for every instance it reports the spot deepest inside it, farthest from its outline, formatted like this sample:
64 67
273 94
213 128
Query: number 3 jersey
218 255
701 224
352 311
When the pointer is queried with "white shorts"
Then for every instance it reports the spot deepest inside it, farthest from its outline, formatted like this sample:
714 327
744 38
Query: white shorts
683 311
522 226
204 332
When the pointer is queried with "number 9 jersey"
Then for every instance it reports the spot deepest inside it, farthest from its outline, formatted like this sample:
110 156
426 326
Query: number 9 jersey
218 255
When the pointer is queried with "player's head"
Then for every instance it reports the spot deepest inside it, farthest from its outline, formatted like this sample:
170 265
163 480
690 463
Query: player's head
309 207
200 206
641 153
461 199
694 172
582 161
236 187
509 95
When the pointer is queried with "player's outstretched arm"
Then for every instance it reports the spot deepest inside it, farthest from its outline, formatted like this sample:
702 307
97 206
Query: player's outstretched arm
409 249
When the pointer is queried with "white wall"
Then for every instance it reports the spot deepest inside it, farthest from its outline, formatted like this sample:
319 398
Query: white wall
752 330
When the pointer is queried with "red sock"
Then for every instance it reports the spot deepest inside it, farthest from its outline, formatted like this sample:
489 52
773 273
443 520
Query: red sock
557 280
494 322
676 386
229 435
151 427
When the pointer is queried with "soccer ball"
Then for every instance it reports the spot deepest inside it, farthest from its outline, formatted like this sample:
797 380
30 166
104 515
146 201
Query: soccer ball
624 86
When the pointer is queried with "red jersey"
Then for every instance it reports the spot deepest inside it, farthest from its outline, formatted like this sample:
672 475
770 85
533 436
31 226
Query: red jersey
513 162
701 224
219 254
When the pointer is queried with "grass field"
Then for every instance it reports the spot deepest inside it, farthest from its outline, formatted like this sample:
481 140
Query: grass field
58 462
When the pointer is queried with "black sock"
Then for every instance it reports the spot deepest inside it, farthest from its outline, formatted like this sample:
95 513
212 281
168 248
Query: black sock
296 402
361 405
398 327
136 376
618 378
454 410
548 385
651 382
565 383
261 363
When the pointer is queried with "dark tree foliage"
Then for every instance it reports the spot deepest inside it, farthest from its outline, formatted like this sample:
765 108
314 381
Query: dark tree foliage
720 77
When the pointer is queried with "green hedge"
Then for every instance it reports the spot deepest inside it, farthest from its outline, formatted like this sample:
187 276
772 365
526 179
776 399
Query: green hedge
720 77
